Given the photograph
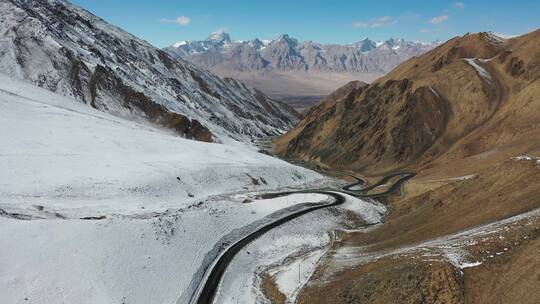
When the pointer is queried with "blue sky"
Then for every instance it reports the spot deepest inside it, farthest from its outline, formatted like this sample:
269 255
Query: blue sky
162 22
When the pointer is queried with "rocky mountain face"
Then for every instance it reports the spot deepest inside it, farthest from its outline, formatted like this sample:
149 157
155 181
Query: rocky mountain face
66 49
424 108
285 53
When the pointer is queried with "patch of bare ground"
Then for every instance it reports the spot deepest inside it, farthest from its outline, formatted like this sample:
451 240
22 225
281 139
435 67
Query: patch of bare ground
351 220
385 281
512 277
271 290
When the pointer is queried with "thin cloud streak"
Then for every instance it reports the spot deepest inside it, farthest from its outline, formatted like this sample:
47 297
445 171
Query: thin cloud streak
459 5
181 20
438 19
374 22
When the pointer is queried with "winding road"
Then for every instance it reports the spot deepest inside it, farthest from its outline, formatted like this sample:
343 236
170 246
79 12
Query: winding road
206 291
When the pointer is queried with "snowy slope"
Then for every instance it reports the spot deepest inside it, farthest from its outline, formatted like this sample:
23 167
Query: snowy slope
67 50
99 209
66 155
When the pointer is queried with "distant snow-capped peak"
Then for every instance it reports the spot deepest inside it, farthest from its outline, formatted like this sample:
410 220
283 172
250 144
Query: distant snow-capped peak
288 53
223 38
219 37
180 43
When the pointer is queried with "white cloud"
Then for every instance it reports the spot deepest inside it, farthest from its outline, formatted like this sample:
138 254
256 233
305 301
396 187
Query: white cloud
374 22
221 30
438 19
181 20
459 5
506 36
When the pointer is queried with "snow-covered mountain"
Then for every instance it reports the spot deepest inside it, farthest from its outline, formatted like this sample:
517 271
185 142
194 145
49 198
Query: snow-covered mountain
67 50
218 39
285 53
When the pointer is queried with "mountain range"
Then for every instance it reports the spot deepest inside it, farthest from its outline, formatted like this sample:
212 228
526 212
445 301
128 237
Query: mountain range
286 53
66 49
304 68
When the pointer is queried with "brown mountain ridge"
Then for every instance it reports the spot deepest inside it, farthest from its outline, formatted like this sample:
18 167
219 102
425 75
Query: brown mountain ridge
466 118
424 108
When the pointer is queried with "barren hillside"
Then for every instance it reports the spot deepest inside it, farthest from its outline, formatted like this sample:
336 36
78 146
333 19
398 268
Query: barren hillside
465 118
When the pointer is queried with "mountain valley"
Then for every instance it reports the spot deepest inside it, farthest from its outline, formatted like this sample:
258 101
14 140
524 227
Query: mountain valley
265 171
